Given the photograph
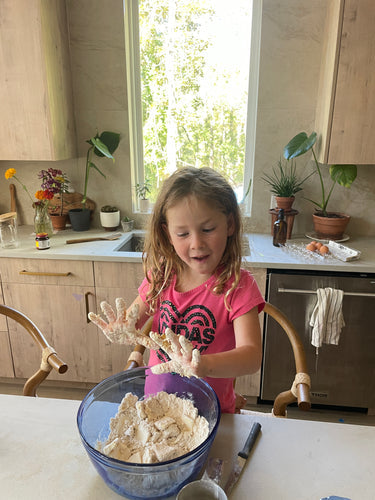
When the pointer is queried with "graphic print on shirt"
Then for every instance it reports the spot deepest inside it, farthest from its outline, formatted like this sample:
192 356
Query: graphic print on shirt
197 323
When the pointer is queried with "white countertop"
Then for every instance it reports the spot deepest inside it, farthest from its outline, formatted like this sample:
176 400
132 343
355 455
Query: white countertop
42 457
262 253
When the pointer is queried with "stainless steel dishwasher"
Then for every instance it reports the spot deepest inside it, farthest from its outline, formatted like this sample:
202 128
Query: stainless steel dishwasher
341 375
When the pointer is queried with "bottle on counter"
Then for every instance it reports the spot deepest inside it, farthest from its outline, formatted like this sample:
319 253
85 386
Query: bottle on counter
280 230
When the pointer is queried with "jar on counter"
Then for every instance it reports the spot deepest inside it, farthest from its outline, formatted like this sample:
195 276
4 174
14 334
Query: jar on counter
42 241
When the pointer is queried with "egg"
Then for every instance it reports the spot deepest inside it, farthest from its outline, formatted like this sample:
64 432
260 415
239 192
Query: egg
319 245
324 250
311 247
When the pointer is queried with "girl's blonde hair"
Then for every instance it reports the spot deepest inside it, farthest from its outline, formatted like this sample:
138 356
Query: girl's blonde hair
160 261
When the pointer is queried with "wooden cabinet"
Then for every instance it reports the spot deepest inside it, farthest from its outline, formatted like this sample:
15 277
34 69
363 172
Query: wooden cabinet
249 385
55 295
6 363
37 121
345 115
113 280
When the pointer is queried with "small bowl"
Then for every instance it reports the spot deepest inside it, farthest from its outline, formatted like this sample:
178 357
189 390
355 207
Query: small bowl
142 481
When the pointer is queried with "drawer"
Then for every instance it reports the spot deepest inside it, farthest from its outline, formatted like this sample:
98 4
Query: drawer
119 275
47 272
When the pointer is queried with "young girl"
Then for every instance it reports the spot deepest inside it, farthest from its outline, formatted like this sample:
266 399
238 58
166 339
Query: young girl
195 286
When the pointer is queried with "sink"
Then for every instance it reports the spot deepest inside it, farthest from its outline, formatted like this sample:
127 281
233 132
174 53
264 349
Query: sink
133 244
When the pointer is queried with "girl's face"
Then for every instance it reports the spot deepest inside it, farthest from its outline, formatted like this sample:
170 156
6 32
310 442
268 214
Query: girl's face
198 232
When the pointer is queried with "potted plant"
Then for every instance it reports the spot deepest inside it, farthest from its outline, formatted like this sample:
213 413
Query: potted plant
284 183
110 217
56 179
327 225
143 190
127 224
103 145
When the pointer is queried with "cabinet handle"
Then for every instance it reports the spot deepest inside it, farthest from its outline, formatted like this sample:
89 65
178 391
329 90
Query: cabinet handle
87 306
31 273
352 294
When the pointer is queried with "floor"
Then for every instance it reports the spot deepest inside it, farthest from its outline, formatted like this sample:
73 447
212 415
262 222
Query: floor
319 414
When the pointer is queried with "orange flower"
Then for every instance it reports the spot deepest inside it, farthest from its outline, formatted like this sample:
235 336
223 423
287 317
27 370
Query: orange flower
39 195
10 173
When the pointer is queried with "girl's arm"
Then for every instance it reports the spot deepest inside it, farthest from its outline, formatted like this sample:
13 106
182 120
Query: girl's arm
244 359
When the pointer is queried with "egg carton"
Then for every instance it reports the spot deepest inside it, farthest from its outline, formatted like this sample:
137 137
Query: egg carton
343 252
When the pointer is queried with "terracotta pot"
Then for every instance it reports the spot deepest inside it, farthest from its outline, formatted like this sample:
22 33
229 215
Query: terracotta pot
285 202
59 221
331 228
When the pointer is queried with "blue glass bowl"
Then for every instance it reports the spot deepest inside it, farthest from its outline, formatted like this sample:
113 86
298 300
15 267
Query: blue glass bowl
140 481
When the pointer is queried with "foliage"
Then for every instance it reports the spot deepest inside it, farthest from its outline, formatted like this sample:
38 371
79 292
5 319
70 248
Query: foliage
143 190
341 174
109 208
182 126
284 180
101 145
126 219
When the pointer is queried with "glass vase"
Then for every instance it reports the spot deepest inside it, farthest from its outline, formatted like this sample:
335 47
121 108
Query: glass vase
42 220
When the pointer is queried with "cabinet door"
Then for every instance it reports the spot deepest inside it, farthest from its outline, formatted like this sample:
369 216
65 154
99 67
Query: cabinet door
115 280
6 364
54 295
249 385
345 115
37 120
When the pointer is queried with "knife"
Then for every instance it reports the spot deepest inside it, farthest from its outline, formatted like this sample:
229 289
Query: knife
242 457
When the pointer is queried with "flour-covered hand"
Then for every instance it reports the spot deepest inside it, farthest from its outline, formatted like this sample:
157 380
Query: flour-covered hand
184 358
120 325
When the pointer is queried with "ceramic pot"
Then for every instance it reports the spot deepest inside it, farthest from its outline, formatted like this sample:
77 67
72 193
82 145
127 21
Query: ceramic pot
59 221
144 205
127 225
285 202
330 228
80 219
110 220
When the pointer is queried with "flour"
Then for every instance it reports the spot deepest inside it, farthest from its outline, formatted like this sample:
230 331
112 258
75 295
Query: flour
156 429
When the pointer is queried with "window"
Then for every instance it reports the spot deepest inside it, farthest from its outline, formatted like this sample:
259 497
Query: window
192 68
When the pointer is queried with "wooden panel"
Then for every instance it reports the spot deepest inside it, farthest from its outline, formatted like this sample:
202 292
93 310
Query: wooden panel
6 364
37 118
60 313
249 385
353 126
47 272
125 275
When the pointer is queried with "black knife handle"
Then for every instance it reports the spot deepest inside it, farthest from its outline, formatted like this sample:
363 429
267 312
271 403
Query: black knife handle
244 453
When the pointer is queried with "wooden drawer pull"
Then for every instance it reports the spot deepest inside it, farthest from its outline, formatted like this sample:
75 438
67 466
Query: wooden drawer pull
30 273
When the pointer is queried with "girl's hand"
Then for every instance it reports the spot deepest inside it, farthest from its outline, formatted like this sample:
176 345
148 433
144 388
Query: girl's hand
184 358
120 328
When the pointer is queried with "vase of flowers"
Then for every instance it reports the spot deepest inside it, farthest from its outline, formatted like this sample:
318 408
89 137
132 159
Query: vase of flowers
52 181
56 182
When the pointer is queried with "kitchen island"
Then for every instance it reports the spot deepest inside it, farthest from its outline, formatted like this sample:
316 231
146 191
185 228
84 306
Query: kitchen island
42 456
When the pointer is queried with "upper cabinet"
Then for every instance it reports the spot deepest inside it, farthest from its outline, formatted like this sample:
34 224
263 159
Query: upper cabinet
37 120
346 102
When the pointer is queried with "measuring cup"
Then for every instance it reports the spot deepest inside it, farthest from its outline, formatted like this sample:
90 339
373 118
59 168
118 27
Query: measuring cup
8 230
208 487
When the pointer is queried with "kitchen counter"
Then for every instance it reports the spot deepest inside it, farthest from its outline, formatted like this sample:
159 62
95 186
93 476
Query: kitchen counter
260 251
42 456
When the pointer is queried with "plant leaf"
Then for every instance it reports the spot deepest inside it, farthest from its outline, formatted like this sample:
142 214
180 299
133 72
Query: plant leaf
100 147
343 174
299 145
110 140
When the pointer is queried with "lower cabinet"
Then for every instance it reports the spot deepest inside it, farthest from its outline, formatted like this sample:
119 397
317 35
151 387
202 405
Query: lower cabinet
57 296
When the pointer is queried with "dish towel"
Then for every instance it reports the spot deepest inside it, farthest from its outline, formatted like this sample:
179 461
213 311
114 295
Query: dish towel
327 318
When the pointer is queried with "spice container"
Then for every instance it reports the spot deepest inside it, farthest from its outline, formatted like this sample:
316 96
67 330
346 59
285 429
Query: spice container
42 241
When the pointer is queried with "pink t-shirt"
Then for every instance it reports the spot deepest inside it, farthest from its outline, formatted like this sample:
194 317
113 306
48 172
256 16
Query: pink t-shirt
202 317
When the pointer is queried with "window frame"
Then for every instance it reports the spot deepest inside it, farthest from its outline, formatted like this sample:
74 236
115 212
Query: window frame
132 53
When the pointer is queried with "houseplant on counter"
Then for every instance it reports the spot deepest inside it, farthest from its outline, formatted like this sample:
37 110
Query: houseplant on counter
57 182
103 145
284 183
143 190
110 217
127 224
327 225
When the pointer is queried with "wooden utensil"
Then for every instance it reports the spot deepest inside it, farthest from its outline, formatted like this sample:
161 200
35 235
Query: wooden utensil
13 204
115 236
